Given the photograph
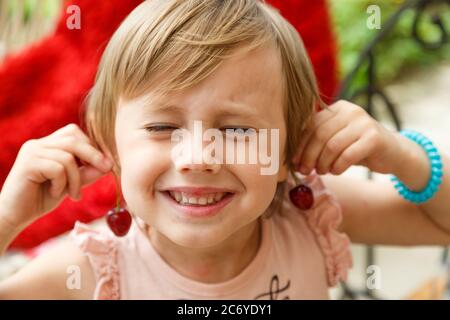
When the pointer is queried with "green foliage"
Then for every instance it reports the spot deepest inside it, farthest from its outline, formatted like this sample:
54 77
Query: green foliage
398 51
49 8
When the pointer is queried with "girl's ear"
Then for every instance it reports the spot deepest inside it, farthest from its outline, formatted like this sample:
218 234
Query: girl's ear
111 157
116 166
282 173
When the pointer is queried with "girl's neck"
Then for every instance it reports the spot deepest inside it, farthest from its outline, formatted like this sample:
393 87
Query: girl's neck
213 264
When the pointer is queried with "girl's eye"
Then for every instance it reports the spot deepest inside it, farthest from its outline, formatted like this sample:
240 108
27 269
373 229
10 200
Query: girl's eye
160 128
239 130
167 128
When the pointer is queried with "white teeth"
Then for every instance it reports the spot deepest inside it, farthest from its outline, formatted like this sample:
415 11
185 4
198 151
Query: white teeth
193 200
184 198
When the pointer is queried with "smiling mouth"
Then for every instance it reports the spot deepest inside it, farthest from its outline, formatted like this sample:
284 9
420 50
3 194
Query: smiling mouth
207 199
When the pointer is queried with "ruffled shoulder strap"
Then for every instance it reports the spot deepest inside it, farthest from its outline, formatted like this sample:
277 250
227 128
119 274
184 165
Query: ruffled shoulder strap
323 219
101 250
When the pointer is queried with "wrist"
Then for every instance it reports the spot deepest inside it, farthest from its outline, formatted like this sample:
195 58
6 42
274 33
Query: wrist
413 166
8 231
7 234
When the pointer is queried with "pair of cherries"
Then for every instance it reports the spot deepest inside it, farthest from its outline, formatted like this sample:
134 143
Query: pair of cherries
119 219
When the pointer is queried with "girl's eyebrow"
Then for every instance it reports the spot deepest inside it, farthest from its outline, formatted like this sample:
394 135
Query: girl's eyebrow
223 110
162 107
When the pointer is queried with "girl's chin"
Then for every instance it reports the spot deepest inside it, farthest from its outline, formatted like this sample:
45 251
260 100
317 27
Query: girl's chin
196 237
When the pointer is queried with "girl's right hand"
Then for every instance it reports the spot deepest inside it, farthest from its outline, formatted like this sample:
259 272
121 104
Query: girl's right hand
46 170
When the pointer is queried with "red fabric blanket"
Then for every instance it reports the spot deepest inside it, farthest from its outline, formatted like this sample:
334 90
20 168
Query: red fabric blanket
43 87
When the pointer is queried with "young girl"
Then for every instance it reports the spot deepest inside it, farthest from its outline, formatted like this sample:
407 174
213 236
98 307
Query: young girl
205 230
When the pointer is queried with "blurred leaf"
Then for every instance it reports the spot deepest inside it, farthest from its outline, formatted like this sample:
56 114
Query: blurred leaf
398 51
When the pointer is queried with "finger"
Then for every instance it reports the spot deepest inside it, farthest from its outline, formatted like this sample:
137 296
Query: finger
52 171
352 155
335 146
318 141
84 151
89 175
70 166
318 119
71 130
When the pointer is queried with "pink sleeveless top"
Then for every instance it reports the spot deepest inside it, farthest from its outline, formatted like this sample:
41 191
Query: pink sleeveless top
301 254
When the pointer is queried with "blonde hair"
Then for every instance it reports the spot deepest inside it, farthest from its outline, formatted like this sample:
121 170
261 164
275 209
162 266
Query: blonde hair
168 45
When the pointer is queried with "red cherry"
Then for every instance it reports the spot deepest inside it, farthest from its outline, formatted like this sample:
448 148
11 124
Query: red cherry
119 221
302 197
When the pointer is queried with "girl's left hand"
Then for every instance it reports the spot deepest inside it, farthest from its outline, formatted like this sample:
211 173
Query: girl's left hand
344 135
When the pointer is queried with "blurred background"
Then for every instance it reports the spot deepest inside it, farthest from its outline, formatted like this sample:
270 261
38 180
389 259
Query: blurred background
25 22
399 72
414 76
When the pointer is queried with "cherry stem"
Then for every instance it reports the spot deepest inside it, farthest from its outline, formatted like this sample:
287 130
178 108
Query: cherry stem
118 194
297 180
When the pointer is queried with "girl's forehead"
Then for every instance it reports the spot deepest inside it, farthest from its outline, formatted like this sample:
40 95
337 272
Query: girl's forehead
245 72
243 84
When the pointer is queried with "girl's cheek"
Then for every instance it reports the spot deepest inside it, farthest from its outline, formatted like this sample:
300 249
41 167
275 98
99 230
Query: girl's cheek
256 185
143 165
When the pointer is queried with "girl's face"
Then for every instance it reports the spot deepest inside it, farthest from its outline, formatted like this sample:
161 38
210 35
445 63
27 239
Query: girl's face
244 92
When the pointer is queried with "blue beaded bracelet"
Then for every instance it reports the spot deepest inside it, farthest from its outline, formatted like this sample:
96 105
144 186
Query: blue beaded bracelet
436 170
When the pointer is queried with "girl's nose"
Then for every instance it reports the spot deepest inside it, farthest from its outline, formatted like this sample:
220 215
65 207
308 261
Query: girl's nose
186 167
194 155
185 164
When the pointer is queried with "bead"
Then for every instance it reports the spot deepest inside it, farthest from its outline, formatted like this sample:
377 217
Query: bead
433 187
434 156
436 172
436 180
302 197
436 164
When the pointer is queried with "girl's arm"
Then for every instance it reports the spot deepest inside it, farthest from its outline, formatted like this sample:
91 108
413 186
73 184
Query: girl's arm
374 213
48 276
43 174
413 170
